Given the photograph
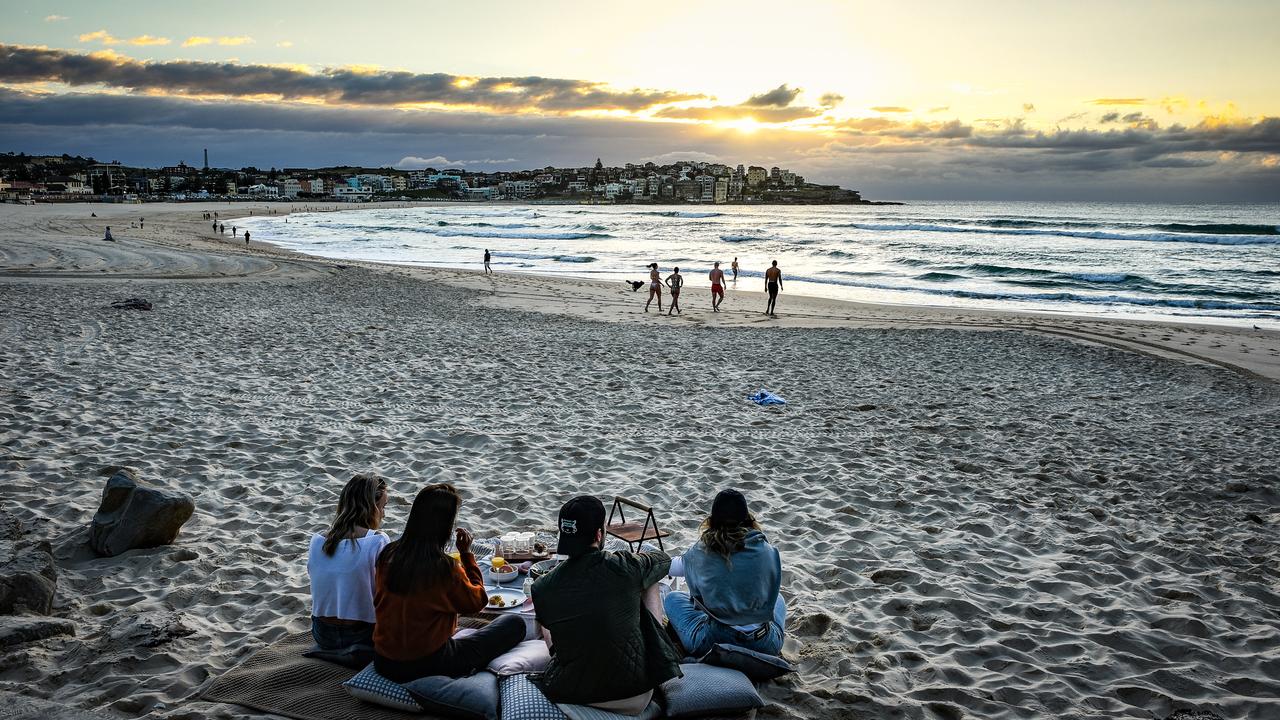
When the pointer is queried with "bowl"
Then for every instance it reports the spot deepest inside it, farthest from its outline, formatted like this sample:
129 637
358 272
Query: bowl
508 574
542 567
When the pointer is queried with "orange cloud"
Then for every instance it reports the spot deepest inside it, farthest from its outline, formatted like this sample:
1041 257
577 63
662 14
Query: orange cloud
891 109
195 40
1118 101
107 38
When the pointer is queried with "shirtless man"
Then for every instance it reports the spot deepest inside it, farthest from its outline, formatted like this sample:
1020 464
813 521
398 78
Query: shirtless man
773 284
675 281
734 267
717 287
655 287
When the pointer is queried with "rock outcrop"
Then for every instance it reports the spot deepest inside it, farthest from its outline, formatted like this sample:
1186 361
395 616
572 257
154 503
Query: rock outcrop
133 515
28 577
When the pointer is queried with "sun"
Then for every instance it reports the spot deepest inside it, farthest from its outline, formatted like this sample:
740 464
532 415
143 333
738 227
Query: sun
746 125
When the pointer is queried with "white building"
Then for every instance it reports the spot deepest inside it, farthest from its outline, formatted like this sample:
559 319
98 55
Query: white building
290 187
482 193
708 183
351 194
262 190
518 188
722 190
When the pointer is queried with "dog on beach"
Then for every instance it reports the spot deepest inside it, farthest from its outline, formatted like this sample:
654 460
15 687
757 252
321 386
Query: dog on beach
635 284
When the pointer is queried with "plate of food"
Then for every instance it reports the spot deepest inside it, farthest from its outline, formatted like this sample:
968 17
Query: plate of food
504 598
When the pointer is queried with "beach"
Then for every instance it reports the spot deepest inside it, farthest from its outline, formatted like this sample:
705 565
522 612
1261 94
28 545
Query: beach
980 513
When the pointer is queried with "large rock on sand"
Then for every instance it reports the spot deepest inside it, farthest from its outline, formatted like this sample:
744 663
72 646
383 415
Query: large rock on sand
133 515
27 573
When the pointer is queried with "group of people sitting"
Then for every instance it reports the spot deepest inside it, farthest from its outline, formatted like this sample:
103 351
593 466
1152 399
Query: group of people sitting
611 627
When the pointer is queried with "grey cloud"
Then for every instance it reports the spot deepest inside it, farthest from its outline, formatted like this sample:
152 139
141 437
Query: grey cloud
333 85
1110 117
780 96
829 100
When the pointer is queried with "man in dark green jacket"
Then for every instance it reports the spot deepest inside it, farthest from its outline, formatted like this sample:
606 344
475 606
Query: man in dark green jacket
607 648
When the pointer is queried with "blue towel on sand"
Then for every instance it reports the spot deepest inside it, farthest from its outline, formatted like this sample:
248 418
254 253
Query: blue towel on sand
764 397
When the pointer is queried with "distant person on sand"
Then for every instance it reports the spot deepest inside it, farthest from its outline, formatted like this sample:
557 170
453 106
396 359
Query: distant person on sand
420 590
773 284
340 564
601 615
142 222
487 269
222 229
655 287
233 231
734 267
717 287
734 575
215 227
246 238
675 281
108 237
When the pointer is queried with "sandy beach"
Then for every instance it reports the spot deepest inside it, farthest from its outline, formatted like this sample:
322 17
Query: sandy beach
981 514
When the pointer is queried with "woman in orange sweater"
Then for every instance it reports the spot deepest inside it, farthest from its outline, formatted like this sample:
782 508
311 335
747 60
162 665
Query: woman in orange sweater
419 591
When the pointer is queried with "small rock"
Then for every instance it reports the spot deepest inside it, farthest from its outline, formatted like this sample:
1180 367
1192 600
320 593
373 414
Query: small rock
15 630
865 407
1237 487
133 515
1098 513
132 304
28 577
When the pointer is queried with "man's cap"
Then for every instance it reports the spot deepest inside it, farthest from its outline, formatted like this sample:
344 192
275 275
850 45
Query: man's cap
580 518
730 506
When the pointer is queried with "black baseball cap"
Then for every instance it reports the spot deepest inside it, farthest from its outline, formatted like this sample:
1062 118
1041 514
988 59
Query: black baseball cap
580 518
729 508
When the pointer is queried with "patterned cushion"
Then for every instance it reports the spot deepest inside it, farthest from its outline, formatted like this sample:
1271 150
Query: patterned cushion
469 697
369 686
522 700
529 656
707 690
755 665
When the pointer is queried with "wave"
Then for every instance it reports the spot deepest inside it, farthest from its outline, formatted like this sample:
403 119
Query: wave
744 238
527 234
557 258
1077 224
679 214
939 277
1220 239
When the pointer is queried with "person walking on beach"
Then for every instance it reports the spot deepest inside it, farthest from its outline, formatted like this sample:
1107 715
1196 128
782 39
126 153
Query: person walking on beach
142 223
675 281
717 287
655 287
233 231
773 284
734 267
487 270
222 228
246 238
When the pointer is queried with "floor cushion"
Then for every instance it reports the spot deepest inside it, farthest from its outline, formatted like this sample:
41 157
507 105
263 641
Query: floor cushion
709 690
469 697
522 700
586 712
757 666
526 657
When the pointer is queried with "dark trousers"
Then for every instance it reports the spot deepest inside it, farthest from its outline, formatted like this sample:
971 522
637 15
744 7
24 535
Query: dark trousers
458 657
340 637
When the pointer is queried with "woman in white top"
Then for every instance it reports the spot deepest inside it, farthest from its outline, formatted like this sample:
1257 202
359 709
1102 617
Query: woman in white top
341 563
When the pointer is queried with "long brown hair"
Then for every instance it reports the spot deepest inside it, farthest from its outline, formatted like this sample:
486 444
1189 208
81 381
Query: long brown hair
417 557
725 538
357 507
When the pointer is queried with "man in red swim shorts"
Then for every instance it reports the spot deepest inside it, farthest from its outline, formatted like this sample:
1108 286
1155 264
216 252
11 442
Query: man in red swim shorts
717 287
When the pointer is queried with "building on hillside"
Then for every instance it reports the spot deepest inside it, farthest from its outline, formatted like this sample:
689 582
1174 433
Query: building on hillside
290 187
347 193
756 176
264 190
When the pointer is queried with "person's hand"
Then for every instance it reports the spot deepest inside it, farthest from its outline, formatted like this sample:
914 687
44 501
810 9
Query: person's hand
462 539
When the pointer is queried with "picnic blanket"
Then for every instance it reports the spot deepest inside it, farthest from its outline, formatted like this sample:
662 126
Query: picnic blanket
277 679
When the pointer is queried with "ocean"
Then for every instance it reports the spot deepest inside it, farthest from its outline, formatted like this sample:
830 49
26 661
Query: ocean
1209 263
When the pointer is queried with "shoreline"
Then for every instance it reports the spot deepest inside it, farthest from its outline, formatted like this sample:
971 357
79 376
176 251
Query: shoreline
1252 352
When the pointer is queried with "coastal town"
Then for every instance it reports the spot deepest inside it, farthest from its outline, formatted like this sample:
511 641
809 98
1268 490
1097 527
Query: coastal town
65 178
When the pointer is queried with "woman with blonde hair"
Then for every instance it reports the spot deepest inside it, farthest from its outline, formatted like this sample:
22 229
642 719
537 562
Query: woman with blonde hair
341 566
734 576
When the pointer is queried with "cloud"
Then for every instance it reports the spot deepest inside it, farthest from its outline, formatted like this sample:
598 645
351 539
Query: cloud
338 85
412 162
830 100
682 156
285 44
236 40
781 96
1110 117
1028 107
891 109
940 108
55 18
107 38
1118 101
729 113
195 40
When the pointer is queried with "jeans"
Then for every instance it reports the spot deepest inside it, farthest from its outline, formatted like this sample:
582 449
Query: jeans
698 631
458 657
340 637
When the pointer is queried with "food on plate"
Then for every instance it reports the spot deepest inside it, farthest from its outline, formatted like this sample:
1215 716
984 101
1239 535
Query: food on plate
497 601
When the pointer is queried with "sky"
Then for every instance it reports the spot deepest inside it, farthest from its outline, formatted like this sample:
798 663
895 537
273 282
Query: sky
1144 101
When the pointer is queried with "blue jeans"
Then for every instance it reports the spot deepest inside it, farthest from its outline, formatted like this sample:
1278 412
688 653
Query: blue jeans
698 631
340 637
